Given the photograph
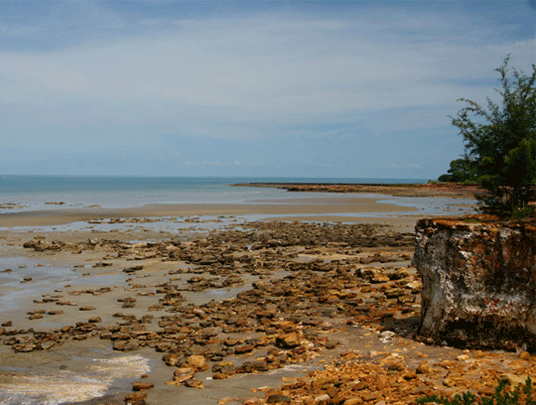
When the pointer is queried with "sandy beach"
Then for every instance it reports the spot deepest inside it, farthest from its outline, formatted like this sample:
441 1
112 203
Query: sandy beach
222 304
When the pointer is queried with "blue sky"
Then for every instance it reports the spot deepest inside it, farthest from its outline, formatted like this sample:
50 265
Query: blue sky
257 88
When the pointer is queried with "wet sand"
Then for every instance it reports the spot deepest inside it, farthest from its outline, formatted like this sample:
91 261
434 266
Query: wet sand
105 308
317 207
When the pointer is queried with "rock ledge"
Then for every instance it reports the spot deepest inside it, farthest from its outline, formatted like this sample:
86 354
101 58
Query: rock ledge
479 282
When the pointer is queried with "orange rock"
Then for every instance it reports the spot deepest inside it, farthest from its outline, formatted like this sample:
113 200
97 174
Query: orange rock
423 368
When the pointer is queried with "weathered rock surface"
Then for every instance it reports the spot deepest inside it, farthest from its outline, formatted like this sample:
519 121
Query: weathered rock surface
479 282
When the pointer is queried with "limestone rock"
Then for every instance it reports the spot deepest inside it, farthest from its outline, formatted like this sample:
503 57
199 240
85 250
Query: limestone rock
288 341
277 399
479 282
142 386
197 362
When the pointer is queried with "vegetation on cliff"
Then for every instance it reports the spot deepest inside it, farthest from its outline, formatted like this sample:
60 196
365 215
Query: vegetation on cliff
500 144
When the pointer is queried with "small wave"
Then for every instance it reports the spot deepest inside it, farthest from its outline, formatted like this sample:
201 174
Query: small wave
17 388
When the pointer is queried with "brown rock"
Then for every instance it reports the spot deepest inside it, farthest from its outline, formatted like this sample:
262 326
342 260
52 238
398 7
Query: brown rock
182 374
126 345
525 355
370 396
252 366
244 349
278 399
396 366
513 379
197 362
287 341
224 367
423 368
193 383
141 386
361 385
136 396
353 401
170 359
410 375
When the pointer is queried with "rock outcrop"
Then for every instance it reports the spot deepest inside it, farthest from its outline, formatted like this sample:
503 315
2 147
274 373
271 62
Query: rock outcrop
479 282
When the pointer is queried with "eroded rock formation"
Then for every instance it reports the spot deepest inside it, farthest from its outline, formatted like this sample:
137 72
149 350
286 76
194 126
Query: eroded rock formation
479 282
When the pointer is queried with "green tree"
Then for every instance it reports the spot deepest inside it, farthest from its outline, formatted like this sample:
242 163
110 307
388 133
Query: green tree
500 142
461 171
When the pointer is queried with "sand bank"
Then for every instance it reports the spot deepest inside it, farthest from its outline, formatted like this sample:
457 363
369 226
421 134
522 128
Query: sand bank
345 208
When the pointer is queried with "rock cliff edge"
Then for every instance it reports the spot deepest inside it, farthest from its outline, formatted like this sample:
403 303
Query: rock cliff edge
479 282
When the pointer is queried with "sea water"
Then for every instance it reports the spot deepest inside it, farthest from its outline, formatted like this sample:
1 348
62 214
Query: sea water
28 193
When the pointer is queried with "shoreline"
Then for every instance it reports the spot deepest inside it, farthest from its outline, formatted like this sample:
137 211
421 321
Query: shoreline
453 190
67 215
133 293
346 205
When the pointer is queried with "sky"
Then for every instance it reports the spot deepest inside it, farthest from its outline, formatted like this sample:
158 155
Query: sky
351 89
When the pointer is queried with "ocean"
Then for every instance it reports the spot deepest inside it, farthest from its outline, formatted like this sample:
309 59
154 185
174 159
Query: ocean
23 193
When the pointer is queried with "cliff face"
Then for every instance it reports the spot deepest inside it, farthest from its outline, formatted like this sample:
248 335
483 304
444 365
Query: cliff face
479 283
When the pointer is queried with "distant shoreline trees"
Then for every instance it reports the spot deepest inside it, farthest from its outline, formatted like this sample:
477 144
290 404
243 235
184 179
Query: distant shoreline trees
500 144
461 171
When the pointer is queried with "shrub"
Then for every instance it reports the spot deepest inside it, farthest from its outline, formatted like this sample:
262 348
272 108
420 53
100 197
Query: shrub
520 394
500 144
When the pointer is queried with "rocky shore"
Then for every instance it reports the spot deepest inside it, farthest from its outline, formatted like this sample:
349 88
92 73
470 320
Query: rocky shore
221 314
451 190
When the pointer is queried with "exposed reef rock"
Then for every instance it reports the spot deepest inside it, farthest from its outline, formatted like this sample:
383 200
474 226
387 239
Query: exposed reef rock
479 282
452 190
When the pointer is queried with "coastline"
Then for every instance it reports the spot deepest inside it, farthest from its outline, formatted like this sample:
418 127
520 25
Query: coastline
452 190
314 208
116 297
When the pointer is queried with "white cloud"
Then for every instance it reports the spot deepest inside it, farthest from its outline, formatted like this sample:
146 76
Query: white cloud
274 74
264 66
408 166
213 163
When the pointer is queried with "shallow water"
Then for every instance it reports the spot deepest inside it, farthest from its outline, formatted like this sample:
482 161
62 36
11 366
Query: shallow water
178 225
44 279
97 377
43 192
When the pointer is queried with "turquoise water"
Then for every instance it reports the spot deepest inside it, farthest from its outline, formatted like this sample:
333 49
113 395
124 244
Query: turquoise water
39 192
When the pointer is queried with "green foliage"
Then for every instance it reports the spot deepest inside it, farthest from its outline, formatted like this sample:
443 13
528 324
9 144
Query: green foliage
500 143
521 394
461 171
522 213
465 399
471 220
